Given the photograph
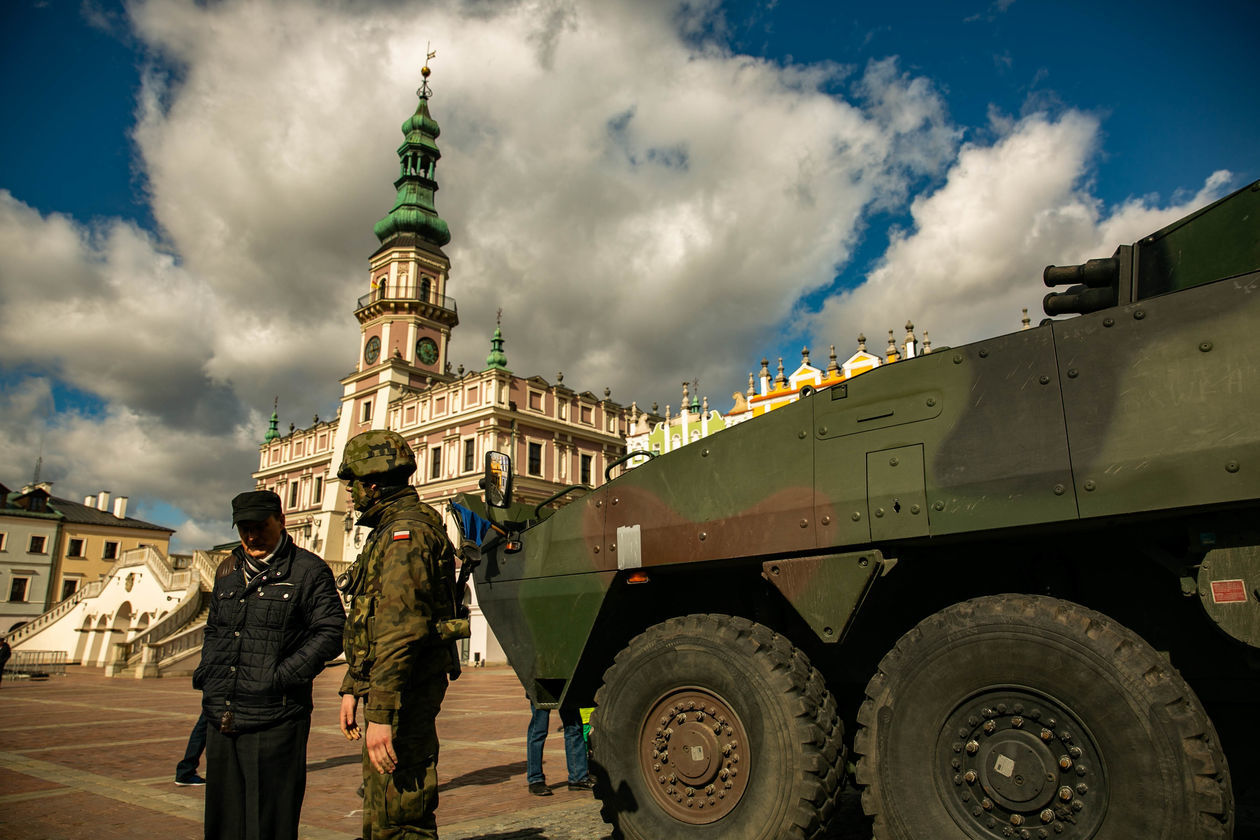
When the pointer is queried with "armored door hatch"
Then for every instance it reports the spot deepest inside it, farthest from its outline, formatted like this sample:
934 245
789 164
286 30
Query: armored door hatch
897 495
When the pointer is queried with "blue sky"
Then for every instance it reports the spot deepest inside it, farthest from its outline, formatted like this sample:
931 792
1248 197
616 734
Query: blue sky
651 191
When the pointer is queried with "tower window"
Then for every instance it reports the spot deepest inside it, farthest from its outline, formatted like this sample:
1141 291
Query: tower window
366 415
425 287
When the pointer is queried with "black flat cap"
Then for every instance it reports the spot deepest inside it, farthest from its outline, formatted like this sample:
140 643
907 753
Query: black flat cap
255 506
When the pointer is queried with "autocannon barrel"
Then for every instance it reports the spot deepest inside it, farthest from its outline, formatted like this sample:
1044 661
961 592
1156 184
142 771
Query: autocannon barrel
1096 285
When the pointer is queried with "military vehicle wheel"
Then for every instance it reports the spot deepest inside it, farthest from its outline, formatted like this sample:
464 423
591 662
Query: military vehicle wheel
1031 717
713 726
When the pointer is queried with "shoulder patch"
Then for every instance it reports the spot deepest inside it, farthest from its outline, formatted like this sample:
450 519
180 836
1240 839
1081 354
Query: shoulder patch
402 535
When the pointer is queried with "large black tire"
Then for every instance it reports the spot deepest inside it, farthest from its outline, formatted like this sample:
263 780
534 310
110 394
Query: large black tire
1031 717
710 726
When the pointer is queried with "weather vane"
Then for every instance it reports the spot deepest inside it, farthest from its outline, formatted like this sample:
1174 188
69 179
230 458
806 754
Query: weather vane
424 91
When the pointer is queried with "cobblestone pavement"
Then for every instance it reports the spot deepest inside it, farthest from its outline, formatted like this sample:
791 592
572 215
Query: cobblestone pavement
85 757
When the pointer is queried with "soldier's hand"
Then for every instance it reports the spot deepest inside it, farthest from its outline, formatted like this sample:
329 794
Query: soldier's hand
380 747
349 728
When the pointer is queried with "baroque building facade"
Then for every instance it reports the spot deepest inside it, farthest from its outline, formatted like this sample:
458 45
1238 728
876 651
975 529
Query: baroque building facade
403 380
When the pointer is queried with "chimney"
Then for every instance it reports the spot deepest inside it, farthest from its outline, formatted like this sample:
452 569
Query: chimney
89 501
102 500
120 507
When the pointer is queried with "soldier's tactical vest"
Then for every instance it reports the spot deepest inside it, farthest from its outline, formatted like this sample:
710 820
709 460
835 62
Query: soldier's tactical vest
361 584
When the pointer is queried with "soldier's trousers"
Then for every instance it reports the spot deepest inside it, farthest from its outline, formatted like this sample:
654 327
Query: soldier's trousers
401 805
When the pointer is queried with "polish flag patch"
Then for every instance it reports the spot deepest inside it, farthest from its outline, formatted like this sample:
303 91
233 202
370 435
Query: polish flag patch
402 535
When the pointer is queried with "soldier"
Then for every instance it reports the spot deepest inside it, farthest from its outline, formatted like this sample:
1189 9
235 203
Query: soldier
398 637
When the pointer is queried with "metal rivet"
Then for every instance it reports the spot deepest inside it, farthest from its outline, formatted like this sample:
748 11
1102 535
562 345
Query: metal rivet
914 508
596 549
1089 485
1231 467
863 562
826 520
774 570
931 401
1059 489
892 462
704 453
879 512
801 435
827 631
612 546
1205 347
958 358
1072 373
857 516
804 523
1139 315
822 430
599 503
703 536
984 354
1109 322
1044 380
615 501
939 506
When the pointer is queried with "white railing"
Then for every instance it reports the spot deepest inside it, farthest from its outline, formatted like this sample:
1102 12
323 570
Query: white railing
37 663
183 613
35 625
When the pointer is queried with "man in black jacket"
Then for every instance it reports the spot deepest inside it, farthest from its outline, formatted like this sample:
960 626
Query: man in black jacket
275 620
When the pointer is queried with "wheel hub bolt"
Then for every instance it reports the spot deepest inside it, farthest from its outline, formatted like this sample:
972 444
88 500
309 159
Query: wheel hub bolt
691 791
973 746
989 727
1065 763
1082 789
1075 752
1065 793
1046 734
1017 722
680 719
986 804
1047 816
1017 819
656 767
709 790
1076 806
970 776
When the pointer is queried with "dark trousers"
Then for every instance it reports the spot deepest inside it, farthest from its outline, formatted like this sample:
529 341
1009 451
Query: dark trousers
187 767
255 782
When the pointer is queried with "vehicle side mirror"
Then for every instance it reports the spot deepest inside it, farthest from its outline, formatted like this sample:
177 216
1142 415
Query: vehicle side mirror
497 480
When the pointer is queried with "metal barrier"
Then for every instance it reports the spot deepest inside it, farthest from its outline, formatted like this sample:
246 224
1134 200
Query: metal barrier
37 664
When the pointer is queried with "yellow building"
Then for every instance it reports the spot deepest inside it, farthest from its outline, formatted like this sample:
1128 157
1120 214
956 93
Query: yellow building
93 537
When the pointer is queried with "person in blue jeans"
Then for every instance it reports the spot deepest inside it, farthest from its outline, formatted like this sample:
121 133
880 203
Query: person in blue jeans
574 750
186 770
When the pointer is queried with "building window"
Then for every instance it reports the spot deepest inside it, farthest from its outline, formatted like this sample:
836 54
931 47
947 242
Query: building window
75 549
4 538
586 469
435 462
69 586
535 458
18 589
471 399
470 455
535 401
588 415
317 496
37 546
293 494
110 552
366 415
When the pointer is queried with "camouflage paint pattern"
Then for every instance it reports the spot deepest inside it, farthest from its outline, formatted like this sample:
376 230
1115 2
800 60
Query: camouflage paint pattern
1144 406
400 587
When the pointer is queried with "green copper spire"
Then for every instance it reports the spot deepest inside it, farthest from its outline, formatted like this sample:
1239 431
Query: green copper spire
273 433
413 210
497 358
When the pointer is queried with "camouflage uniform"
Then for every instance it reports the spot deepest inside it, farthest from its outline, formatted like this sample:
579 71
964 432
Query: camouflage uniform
400 588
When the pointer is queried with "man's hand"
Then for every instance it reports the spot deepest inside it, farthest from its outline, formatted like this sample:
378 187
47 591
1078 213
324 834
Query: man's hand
380 747
349 728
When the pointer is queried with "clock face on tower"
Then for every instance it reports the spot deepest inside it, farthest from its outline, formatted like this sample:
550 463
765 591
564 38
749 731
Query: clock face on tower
426 351
372 350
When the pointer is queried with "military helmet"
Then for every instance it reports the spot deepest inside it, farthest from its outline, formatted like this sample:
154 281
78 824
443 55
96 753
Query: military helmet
378 452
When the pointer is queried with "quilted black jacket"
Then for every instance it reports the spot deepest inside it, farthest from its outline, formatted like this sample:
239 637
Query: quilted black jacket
266 641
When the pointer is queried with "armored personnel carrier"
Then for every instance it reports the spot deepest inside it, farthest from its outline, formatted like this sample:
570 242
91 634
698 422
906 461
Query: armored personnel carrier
1011 589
